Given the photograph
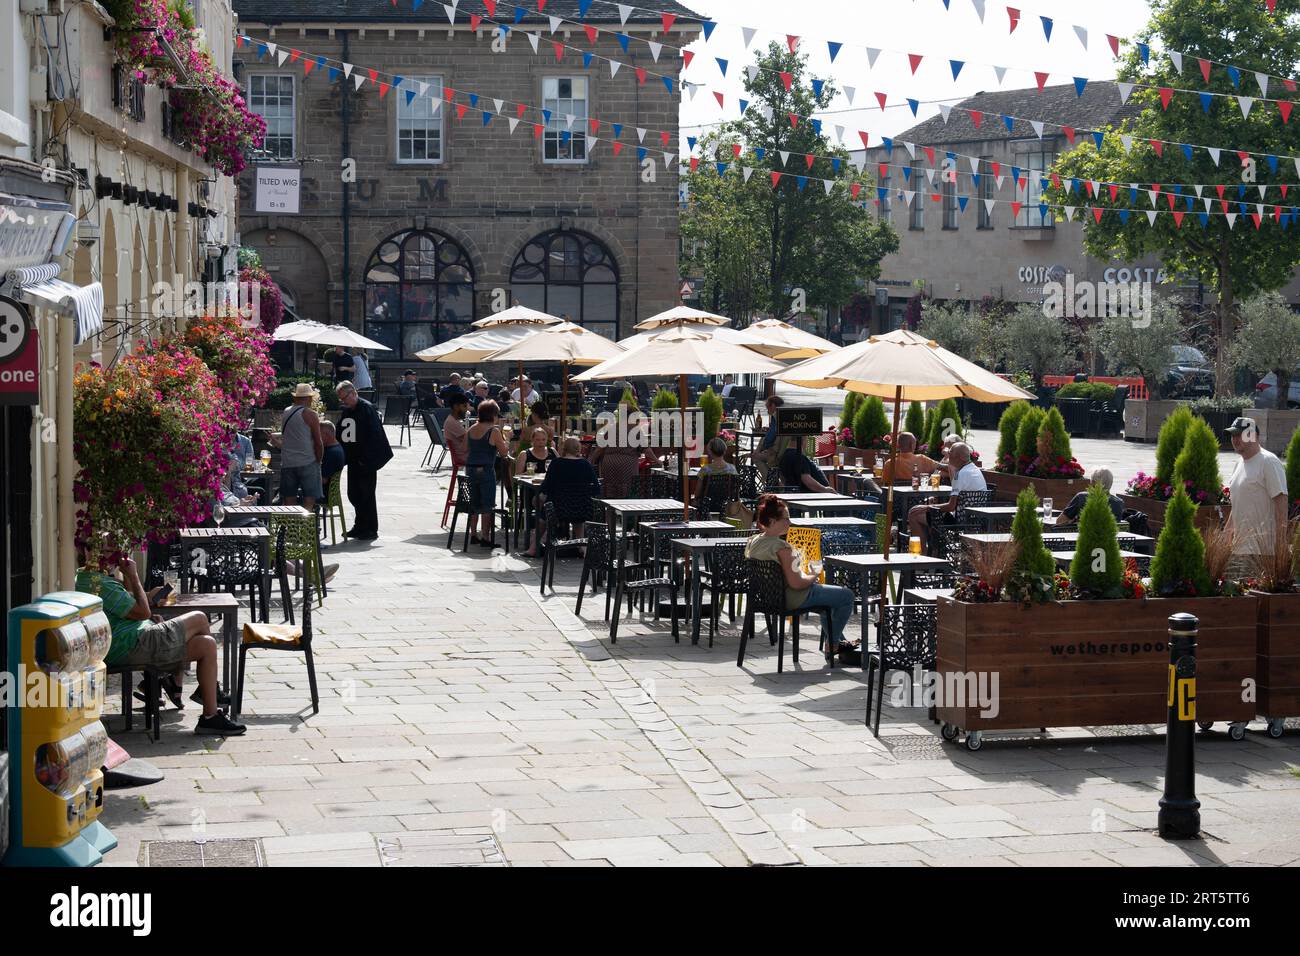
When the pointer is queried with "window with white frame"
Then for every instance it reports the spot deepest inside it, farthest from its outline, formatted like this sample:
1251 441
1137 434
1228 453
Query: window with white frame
271 96
1034 167
419 121
565 138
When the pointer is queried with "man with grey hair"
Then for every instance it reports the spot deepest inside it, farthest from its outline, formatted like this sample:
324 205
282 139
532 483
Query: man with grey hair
1103 477
966 476
361 432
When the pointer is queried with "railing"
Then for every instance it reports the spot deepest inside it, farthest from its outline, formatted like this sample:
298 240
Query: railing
128 92
1137 388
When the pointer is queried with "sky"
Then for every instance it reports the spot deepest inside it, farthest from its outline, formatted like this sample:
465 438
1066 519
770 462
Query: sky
896 28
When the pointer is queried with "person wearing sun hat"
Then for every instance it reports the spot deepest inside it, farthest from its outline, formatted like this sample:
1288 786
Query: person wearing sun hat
301 450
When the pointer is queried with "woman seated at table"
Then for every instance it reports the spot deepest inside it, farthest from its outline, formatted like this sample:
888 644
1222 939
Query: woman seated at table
570 484
539 453
718 464
538 420
802 591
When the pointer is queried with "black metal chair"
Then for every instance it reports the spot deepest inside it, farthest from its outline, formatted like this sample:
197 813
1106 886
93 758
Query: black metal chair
596 565
725 574
716 492
640 581
397 411
280 637
907 637
747 484
555 536
742 403
464 504
227 564
767 597
436 440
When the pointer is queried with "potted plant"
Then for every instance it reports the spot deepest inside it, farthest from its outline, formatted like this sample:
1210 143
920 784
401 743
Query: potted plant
871 425
1050 470
1273 582
1189 440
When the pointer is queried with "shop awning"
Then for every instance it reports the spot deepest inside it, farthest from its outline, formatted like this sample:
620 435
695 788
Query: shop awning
40 286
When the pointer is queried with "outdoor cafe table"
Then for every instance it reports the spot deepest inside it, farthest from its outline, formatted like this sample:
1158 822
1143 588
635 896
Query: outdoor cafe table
265 511
1127 539
1065 558
695 549
195 537
526 487
657 528
223 603
904 564
903 495
838 523
619 511
997 515
827 505
926 595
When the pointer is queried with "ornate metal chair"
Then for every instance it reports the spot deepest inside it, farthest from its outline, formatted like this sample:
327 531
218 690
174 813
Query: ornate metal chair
228 564
301 544
767 597
464 505
716 492
906 638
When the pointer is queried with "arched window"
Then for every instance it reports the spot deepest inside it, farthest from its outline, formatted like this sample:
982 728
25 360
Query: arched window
569 274
419 292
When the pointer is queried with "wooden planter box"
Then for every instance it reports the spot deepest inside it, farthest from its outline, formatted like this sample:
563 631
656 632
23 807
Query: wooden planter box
1206 517
1278 655
1143 418
1060 490
1276 426
1094 663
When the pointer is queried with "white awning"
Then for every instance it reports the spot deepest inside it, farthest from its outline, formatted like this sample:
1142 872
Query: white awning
40 286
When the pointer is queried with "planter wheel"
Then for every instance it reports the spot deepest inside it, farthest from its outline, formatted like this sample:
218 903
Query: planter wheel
1237 730
974 741
949 732
1205 725
1276 725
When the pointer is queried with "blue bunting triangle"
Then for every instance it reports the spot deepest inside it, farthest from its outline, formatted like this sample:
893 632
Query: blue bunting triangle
1205 219
744 105
975 180
487 117
1206 100
334 73
586 58
668 82
817 126
1144 51
759 153
914 104
889 144
1187 152
956 67
907 175
707 26
1132 196
1074 185
320 62
722 169
1047 28
583 7
834 48
410 95
1241 192
261 50
1189 202
1099 137
691 141
962 201
622 41
722 64
1235 75
416 5
835 164
641 154
546 116
1272 164
1080 83
1123 216
618 130
817 86
1015 173
1009 122
473 99
397 81
519 14
881 193
565 136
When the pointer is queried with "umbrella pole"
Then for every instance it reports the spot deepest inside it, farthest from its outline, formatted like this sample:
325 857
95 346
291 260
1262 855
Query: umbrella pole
889 496
564 400
686 487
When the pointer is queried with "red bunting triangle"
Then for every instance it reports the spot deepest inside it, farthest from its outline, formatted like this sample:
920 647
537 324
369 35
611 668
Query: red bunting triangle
239 40
695 163
541 5
307 66
595 126
1289 84
669 19
1069 133
1257 219
1178 218
718 96
1015 208
1271 4
520 110
1219 189
809 158
880 98
374 75
1284 107
1114 43
1096 213
1056 180
491 7
640 75
776 178
460 111
791 41
1042 80
663 137
1156 187
787 79
935 197
854 189
1284 187
618 147
537 131
559 49
997 169
1171 197
1205 68
1014 16
863 134
293 55
794 120
915 60
1166 94
591 33
1223 203
687 56
735 150
1114 192
448 94
474 21
1158 146
977 118
1243 155
1090 188
929 153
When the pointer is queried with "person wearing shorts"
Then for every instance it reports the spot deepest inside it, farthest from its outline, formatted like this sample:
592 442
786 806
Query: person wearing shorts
143 639
301 450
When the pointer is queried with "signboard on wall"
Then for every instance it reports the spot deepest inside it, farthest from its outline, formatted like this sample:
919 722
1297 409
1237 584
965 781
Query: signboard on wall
19 355
277 189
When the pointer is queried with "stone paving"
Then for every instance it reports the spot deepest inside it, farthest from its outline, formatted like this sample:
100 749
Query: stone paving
468 720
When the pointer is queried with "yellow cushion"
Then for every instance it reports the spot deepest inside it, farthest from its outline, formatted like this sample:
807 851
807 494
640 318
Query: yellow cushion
272 633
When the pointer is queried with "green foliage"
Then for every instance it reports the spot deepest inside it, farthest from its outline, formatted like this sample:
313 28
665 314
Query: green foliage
1178 567
1008 428
926 427
249 258
753 243
1053 430
1169 443
1027 435
1293 469
955 327
1029 341
629 399
663 399
852 402
1196 469
947 421
711 405
915 421
1234 263
1269 341
281 396
1141 348
1032 556
1098 545
870 425
1092 391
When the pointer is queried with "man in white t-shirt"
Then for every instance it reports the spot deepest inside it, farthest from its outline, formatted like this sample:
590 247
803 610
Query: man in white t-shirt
526 389
966 476
1259 497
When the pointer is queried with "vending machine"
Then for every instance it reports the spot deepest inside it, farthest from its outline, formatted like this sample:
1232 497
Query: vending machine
57 744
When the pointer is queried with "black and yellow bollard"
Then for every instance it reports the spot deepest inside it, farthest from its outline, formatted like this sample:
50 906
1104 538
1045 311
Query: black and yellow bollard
1180 811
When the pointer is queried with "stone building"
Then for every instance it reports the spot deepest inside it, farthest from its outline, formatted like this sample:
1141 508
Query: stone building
449 218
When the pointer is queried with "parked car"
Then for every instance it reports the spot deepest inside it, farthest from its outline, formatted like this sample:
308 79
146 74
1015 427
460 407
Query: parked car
1190 375
1266 391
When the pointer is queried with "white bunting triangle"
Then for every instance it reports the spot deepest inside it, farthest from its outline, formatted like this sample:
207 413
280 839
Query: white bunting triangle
592 143
437 107
929 174
989 204
668 160
1127 140
859 159
1297 165
1245 102
655 49
1000 72
282 56
1096 187
347 70
555 23
746 172
785 157
513 121
748 34
908 196
1038 127
1214 152
979 8
498 104
691 90
1198 189
839 133
422 86
624 11
1000 181
829 184
911 149
359 79
451 13
1069 213
849 93
1209 204
613 67
1151 217
272 47
640 135
1082 34
1232 219
568 120
1154 196
945 111
532 40
1125 91
752 70
1263 188
871 57
1262 80
1176 59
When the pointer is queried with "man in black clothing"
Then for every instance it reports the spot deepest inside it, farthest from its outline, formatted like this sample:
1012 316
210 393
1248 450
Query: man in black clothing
344 365
361 432
1102 476
453 390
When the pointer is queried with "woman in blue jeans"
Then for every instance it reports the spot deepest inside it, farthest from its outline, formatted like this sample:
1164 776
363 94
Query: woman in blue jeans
485 442
801 590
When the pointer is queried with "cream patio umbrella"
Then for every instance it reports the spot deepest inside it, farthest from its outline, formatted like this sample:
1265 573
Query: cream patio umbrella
679 315
901 366
495 332
516 315
562 342
317 333
682 352
797 343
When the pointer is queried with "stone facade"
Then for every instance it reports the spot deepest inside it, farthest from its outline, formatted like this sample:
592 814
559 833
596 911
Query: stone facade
491 192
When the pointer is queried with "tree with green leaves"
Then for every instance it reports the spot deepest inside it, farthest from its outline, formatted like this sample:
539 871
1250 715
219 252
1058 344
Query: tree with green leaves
1178 568
956 327
1027 340
1196 469
1144 347
1027 437
914 422
1008 429
1097 568
927 425
754 242
1032 556
1054 439
947 421
1234 260
870 424
1269 341
663 399
1169 443
852 402
711 406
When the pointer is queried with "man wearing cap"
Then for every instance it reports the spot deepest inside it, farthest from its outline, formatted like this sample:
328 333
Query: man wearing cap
301 450
525 394
407 385
1258 489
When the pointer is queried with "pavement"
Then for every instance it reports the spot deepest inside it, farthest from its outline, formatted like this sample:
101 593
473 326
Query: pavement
468 719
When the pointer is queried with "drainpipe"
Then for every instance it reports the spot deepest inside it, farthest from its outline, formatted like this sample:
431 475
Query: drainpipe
182 257
347 192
